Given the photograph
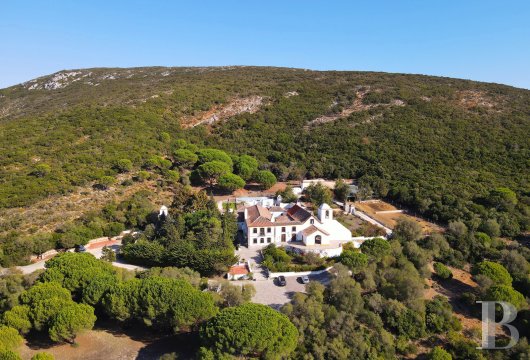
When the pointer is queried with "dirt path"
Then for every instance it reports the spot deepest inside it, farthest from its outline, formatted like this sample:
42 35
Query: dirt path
115 343
453 289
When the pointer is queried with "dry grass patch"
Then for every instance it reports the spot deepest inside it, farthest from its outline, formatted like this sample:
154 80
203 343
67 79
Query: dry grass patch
48 214
374 209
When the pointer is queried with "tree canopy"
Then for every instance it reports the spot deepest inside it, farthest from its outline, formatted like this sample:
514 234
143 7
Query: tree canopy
210 172
185 158
209 155
319 194
494 271
230 182
245 166
265 178
162 303
251 330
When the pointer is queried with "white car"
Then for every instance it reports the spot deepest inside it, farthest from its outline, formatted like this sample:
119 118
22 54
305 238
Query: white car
305 279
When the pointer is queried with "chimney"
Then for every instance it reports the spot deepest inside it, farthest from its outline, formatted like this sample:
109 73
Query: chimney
246 213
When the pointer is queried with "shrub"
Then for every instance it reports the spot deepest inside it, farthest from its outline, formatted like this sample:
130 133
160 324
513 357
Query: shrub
41 170
437 353
9 338
9 355
496 272
442 271
42 356
172 176
18 318
113 229
123 165
108 254
70 321
376 248
507 294
105 182
439 316
354 260
143 175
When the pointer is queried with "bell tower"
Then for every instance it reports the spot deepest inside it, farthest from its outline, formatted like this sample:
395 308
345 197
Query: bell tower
325 213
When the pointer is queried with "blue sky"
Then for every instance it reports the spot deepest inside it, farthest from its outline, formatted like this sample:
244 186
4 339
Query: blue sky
480 40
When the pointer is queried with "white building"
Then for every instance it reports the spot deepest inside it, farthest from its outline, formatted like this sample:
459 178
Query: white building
293 225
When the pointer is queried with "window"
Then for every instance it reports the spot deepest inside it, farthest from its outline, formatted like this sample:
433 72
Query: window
255 230
268 240
268 230
262 241
283 229
294 228
318 239
255 241
327 214
262 231
312 221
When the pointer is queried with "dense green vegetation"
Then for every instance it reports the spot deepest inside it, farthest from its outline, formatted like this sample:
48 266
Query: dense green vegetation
205 167
450 150
195 235
75 286
250 330
277 259
382 301
110 221
456 152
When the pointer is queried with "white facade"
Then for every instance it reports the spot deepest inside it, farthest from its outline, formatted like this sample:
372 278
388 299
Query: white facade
283 225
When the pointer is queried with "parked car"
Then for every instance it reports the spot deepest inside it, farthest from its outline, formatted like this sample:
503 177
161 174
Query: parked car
304 279
80 248
281 280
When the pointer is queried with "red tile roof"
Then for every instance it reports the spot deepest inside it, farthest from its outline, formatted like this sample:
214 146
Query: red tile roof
298 213
238 270
312 229
259 216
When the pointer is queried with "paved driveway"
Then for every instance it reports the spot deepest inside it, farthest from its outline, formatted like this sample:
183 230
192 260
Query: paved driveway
269 293
254 256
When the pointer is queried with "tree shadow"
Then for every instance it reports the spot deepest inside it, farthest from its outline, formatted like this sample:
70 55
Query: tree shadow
453 289
276 306
185 345
157 343
37 340
254 188
290 294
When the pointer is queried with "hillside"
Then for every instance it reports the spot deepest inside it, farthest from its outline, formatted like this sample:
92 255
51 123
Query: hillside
439 146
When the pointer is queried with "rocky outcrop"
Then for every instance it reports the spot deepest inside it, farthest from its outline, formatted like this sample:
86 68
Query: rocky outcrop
250 104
